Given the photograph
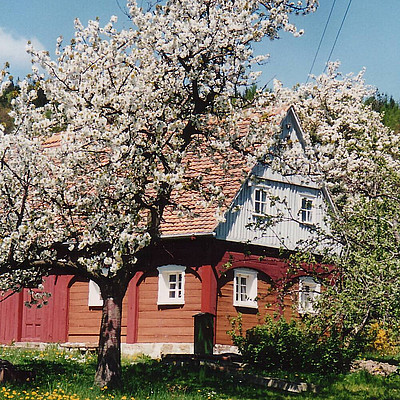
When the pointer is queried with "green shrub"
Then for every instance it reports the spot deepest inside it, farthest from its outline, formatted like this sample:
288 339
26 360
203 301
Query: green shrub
293 346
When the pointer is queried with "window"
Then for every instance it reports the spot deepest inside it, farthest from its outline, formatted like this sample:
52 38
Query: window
245 288
261 202
171 285
95 299
309 291
306 210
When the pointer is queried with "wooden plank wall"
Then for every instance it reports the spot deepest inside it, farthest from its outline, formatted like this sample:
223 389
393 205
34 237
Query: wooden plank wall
84 321
291 302
31 321
267 305
167 324
56 318
11 311
46 324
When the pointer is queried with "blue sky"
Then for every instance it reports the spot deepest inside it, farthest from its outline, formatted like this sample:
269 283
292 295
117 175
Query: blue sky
370 37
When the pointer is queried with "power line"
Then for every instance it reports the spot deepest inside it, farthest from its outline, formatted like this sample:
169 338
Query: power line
320 42
337 36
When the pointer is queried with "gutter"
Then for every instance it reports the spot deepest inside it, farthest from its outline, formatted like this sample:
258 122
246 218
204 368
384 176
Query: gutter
187 235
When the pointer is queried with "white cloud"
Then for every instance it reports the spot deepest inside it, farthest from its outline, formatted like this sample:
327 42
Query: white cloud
13 50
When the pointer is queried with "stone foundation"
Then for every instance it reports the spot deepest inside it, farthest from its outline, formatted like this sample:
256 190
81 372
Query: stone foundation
153 350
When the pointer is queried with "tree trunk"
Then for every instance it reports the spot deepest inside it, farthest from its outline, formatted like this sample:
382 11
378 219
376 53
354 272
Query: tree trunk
108 371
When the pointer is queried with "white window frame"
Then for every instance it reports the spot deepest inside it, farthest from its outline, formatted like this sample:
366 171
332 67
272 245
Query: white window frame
245 292
171 292
264 205
309 292
309 212
94 298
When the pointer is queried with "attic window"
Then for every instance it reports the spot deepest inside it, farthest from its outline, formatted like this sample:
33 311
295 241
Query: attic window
309 292
261 202
307 210
171 284
245 288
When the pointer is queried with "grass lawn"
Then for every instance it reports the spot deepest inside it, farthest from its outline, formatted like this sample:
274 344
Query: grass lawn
69 376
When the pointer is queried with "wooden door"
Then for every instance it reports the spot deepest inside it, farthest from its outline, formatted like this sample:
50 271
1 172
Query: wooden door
31 321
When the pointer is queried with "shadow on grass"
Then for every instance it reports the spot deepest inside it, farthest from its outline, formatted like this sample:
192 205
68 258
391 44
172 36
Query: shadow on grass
157 381
192 380
51 371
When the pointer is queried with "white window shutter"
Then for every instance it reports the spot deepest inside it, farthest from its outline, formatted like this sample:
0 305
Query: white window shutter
94 299
309 292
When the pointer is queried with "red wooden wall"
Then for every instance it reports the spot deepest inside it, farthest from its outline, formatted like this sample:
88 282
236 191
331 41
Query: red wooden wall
84 321
167 324
11 318
208 288
46 324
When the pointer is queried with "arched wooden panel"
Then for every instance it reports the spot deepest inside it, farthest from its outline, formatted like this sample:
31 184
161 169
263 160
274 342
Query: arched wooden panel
267 305
167 324
84 321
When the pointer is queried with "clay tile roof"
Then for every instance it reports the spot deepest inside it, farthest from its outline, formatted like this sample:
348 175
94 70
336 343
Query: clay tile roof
53 141
197 219
202 219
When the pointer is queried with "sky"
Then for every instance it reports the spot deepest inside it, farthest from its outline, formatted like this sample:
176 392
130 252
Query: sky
370 37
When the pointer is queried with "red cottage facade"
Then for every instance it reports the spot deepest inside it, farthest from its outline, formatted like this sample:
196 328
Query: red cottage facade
200 265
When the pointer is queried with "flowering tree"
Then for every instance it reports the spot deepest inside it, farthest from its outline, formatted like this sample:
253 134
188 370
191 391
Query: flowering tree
85 179
356 158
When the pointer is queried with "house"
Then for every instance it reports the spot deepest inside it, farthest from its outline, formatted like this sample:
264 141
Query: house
202 265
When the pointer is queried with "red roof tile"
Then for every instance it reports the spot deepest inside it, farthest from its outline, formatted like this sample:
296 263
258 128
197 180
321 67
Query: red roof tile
202 218
199 218
52 141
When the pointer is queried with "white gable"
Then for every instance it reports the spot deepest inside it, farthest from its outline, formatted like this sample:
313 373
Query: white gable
274 210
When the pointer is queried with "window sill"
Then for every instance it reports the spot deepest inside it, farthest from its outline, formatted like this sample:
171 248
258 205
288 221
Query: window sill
262 216
171 303
303 312
308 224
245 304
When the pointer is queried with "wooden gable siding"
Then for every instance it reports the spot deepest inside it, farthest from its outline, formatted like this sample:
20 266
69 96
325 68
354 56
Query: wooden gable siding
240 223
289 190
84 321
167 324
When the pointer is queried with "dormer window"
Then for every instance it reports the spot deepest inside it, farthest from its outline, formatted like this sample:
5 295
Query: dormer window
306 210
261 202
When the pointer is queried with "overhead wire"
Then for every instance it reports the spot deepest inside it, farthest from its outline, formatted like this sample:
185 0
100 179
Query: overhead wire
321 40
337 35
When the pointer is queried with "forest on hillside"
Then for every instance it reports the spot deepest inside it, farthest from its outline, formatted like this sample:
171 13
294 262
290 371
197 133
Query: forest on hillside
9 93
388 107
